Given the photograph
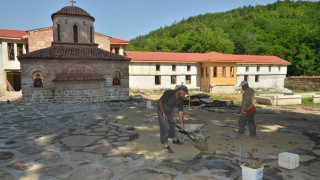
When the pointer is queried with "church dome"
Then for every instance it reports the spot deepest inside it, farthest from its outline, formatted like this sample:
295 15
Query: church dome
72 11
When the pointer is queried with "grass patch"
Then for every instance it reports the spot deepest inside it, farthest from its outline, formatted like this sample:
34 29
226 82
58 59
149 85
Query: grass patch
215 97
158 92
302 91
309 102
237 102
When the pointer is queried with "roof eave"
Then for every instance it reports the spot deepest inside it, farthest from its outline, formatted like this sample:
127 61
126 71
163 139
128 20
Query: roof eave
265 63
11 38
57 58
163 61
113 43
66 14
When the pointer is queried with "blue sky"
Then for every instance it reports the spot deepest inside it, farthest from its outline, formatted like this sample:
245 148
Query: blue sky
123 19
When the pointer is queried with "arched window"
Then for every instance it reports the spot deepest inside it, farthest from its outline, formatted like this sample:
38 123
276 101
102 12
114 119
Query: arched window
75 33
58 27
91 35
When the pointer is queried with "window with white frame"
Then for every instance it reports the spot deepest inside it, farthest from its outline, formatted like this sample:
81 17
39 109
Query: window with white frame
157 80
188 79
173 67
173 79
157 67
246 78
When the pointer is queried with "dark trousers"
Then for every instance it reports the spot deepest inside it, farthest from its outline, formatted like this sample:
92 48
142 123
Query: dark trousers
251 123
167 129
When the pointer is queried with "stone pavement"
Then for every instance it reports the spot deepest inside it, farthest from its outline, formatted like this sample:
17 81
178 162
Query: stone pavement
80 141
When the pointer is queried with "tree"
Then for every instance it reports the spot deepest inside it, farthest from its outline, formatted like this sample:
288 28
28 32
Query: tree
287 29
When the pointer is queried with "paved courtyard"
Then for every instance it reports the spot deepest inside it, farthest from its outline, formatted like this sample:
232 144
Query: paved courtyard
81 141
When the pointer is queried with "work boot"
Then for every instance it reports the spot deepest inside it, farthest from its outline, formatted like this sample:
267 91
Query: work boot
168 149
177 142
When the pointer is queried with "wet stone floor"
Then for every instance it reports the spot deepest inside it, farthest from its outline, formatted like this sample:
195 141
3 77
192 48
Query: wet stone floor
80 141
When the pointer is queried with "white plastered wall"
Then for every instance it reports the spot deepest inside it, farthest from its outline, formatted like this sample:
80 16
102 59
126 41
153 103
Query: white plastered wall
5 63
269 76
142 75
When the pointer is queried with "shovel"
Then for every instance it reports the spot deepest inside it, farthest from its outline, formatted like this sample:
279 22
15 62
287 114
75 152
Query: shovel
199 143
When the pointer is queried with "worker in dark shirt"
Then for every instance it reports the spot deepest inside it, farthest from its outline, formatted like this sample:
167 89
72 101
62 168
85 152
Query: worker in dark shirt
166 104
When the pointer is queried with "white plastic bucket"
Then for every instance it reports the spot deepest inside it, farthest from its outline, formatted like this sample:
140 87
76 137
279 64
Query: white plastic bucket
251 174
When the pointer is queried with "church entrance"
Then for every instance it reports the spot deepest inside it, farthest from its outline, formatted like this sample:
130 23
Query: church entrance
13 79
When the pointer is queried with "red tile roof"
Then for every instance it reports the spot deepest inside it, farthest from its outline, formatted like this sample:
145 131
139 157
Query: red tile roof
259 59
163 56
115 40
202 57
72 11
215 56
12 33
73 51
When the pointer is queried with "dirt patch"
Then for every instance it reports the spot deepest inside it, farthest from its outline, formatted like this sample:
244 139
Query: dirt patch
11 96
278 131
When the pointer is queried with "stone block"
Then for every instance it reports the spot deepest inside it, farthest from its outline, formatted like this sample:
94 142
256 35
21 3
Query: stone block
288 160
288 100
268 100
316 98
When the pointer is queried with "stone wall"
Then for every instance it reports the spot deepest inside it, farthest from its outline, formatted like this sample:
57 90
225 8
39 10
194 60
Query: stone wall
75 96
38 96
306 83
70 91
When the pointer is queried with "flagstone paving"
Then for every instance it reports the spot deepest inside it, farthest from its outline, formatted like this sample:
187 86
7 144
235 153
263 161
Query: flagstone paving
80 141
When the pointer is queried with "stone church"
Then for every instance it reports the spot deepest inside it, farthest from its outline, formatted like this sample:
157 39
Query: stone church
73 69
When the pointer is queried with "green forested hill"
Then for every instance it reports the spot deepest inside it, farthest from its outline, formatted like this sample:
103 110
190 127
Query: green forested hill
287 29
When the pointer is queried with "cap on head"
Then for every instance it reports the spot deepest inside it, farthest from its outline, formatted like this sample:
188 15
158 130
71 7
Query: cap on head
243 83
183 88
